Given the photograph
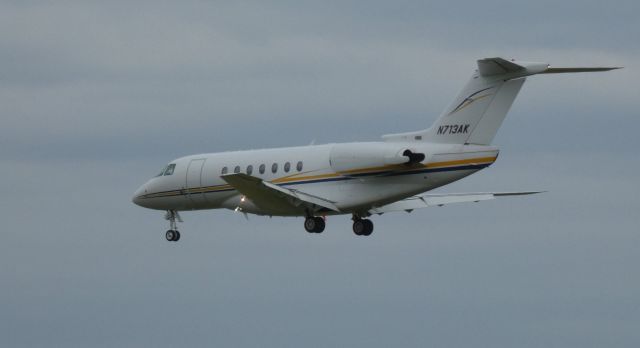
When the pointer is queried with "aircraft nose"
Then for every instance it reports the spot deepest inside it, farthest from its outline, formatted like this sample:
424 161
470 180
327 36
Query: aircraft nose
137 196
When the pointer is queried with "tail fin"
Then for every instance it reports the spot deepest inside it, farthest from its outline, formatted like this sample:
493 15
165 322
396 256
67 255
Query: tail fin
479 109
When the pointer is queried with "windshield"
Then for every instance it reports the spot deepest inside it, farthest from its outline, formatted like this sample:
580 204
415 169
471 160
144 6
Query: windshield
170 169
162 171
167 170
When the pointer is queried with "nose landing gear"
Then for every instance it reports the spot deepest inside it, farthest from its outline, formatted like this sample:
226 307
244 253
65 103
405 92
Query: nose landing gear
173 235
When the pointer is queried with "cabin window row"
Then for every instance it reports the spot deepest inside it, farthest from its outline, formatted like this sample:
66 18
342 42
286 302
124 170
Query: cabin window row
262 168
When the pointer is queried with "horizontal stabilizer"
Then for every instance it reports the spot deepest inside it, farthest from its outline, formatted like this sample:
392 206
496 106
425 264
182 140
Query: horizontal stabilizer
431 200
578 70
501 66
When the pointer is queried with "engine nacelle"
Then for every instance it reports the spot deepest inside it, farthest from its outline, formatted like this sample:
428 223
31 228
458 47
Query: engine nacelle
369 158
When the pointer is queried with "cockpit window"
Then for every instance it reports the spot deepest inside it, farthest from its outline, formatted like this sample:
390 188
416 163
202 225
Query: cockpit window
162 171
170 169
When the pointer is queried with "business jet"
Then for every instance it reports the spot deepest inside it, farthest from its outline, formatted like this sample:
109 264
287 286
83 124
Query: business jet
358 179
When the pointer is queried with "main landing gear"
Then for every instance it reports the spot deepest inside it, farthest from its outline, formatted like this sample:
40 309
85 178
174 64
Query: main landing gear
172 235
362 227
314 224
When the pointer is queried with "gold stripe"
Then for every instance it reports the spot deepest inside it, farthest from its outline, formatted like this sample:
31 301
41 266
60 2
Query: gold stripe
291 178
480 160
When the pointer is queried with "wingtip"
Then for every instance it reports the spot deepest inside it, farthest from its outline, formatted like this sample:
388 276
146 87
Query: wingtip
609 68
499 194
562 70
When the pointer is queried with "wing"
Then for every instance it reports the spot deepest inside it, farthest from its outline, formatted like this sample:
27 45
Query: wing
270 197
430 200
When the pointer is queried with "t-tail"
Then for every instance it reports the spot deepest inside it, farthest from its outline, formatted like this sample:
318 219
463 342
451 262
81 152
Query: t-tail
479 109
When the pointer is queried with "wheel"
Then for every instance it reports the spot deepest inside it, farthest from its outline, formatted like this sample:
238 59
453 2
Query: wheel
362 227
319 221
310 224
368 227
171 235
358 227
177 237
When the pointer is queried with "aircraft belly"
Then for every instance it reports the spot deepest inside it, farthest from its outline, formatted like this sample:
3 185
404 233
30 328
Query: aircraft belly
362 194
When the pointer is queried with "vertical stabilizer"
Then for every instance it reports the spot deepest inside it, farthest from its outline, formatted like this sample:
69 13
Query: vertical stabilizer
476 114
479 109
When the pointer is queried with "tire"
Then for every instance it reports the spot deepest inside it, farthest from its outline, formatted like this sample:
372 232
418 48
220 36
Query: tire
177 237
170 235
368 227
359 227
310 224
319 225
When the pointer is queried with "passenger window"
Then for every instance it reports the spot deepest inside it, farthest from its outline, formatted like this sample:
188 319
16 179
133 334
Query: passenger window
236 169
170 169
287 167
299 166
225 170
261 169
249 169
274 167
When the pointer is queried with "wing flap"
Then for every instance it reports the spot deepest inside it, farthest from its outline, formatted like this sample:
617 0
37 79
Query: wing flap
430 200
270 196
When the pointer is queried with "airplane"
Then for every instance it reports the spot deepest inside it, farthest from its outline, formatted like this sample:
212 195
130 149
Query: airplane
360 179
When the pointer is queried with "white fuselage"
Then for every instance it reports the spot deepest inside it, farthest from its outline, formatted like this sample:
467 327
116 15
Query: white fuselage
360 179
354 176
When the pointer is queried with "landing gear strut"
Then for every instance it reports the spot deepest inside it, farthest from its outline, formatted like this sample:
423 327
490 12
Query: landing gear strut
172 234
314 224
362 227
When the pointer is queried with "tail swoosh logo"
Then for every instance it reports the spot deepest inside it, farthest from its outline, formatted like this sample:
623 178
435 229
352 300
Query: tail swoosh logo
470 100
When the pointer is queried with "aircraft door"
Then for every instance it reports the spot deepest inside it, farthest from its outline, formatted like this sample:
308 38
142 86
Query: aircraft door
194 181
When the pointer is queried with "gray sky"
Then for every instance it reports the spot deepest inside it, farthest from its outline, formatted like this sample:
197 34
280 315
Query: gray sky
97 96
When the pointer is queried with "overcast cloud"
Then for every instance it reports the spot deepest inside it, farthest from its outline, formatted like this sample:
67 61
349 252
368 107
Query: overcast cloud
96 96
